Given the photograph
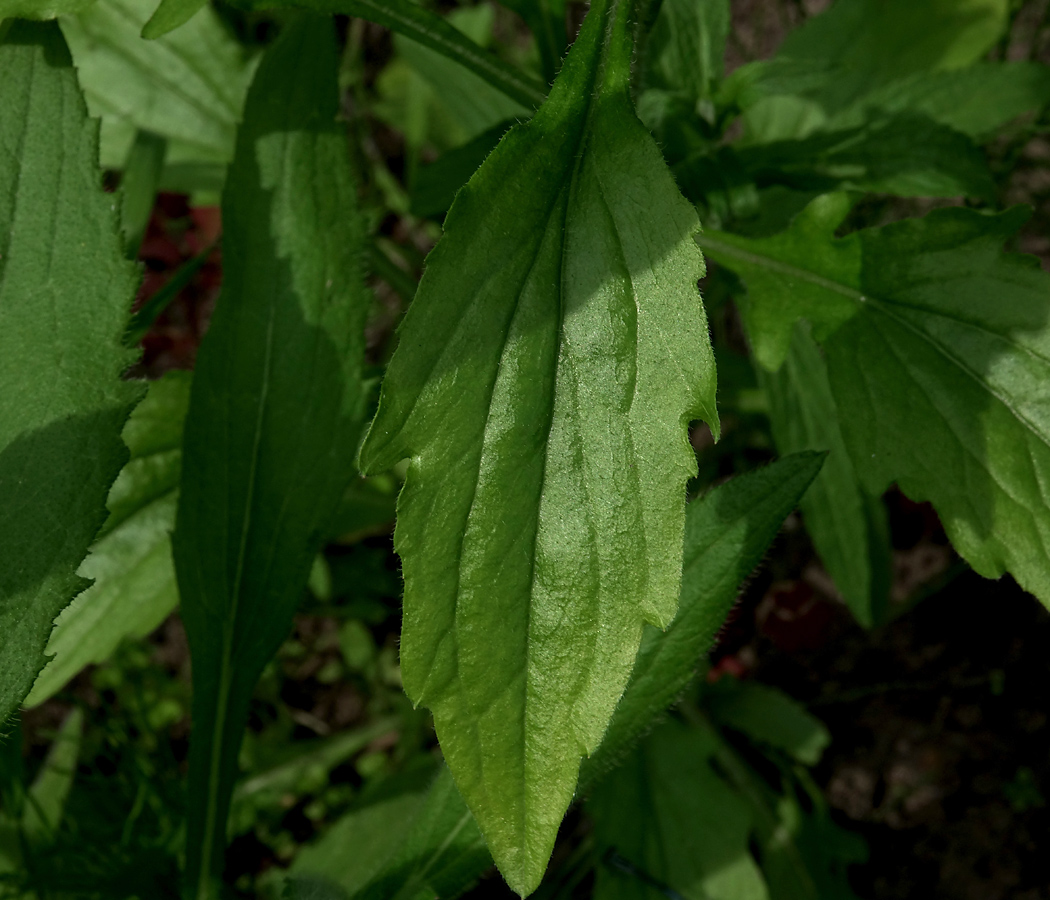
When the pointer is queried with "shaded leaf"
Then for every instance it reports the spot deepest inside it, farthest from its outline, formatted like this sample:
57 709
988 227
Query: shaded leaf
546 371
41 9
130 563
686 47
937 388
672 826
275 410
65 294
768 716
848 525
45 800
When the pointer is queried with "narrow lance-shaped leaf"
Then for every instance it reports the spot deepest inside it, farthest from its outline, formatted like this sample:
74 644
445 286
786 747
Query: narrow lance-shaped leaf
170 15
275 409
938 352
65 294
555 352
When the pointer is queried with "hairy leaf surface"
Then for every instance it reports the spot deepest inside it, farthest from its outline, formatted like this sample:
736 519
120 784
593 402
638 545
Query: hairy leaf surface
65 294
275 409
130 563
554 354
848 525
938 352
727 532
441 851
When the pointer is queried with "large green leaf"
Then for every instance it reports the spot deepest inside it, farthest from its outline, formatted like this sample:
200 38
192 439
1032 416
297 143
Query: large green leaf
675 827
938 352
848 525
275 409
547 369
441 852
187 87
130 562
65 294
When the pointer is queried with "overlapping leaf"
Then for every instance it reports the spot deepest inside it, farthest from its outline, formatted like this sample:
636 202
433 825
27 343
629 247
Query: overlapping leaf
130 563
549 364
275 410
188 87
65 294
848 525
938 351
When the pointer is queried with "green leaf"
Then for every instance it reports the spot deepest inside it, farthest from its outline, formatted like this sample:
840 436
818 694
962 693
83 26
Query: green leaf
436 851
138 188
905 154
555 352
275 410
435 185
768 716
187 87
170 15
430 30
130 563
442 851
727 532
672 826
41 9
937 388
857 45
848 525
45 801
65 294
546 21
976 100
686 46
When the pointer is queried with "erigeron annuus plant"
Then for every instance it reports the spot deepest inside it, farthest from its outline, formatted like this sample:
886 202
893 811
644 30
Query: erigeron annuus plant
558 589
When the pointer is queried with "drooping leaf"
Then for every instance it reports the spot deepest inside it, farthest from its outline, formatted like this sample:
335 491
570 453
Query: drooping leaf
187 87
848 525
429 29
170 15
546 371
727 532
130 564
65 294
275 409
937 387
671 827
768 716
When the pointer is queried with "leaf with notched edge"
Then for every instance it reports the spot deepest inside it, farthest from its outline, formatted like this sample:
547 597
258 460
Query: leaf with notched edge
65 295
547 370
